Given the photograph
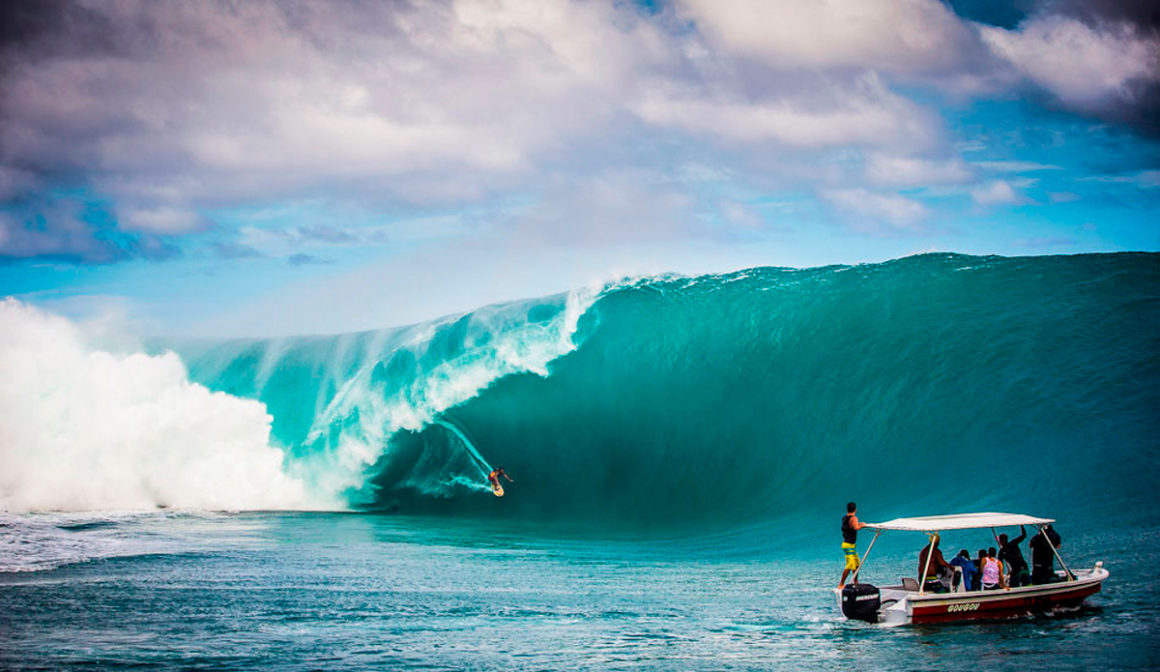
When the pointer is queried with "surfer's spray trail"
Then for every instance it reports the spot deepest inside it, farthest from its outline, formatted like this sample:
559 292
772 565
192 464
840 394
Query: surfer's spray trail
940 382
480 462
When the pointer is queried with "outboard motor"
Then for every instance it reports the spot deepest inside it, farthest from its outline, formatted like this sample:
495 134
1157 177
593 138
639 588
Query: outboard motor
860 601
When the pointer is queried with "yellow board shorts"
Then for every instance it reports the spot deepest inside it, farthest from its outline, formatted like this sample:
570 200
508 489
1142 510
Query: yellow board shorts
851 555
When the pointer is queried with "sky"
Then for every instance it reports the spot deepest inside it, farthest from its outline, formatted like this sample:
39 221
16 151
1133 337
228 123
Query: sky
272 168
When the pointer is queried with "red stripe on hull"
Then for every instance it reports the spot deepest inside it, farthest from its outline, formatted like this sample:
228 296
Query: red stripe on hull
990 607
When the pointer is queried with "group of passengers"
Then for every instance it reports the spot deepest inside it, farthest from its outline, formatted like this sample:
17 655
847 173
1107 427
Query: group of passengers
991 570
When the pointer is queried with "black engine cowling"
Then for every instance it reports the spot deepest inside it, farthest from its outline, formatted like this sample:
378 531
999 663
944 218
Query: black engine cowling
860 601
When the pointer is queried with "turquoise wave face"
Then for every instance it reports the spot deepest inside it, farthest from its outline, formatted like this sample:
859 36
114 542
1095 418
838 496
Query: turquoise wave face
929 384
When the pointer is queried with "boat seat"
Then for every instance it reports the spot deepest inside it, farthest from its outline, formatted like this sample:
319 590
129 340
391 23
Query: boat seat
909 584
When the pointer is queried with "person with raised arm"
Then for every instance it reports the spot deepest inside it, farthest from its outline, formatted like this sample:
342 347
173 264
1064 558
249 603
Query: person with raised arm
1012 557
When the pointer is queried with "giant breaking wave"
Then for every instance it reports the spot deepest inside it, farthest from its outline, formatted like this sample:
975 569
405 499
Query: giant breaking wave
937 383
84 428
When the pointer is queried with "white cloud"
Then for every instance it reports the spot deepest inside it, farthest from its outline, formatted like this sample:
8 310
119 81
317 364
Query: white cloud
906 171
1146 179
861 113
900 37
227 103
1086 67
411 111
867 211
162 220
210 104
1014 166
995 192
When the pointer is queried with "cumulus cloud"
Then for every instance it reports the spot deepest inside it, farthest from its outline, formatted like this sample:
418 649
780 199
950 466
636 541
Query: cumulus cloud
1141 13
168 111
180 106
163 220
914 36
255 97
908 171
1111 67
861 112
995 192
878 213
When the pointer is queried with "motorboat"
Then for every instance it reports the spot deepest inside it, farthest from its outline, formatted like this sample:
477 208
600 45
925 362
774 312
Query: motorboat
910 602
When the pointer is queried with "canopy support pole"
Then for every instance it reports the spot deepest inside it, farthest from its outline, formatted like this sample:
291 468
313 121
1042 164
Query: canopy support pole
926 567
1070 576
865 555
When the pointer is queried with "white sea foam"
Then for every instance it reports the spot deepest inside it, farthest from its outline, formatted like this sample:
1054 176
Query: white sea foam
37 542
82 429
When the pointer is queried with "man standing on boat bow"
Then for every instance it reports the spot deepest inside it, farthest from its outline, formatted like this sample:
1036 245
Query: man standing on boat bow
850 527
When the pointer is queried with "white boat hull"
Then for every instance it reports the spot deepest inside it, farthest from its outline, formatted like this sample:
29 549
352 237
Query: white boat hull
900 606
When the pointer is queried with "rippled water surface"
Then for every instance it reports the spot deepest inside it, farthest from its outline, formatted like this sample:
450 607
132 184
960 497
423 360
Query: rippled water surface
358 591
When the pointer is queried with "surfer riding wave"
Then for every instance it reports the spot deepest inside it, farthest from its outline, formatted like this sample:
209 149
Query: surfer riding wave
493 479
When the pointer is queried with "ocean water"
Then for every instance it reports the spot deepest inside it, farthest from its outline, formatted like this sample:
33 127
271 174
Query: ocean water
307 591
682 449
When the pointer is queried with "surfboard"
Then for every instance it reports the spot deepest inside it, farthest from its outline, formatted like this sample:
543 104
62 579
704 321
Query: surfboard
498 491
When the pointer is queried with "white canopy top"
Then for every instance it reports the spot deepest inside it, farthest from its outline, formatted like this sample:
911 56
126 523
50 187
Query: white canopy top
962 521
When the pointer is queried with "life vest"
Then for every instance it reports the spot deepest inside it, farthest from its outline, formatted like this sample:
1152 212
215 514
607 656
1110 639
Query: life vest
849 534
